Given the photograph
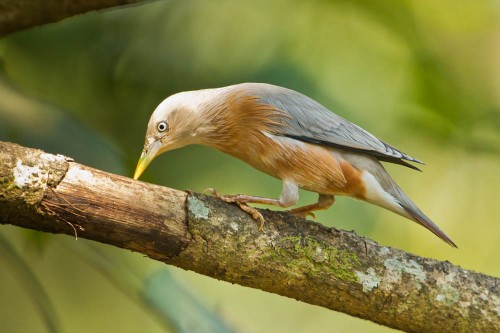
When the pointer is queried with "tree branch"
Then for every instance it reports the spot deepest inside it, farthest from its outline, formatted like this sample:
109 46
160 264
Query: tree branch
17 15
291 257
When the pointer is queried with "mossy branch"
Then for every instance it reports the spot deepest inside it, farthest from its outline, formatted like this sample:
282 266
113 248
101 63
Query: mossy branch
292 257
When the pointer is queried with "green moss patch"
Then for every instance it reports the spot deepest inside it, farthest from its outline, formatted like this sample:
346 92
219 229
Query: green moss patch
306 255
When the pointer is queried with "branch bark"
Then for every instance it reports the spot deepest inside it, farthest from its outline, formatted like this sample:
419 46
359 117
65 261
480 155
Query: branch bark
292 257
17 15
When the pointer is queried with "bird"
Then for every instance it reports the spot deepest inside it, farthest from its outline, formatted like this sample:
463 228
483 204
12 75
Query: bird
289 136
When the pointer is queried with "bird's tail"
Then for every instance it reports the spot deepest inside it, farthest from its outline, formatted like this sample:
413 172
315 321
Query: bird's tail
415 214
396 200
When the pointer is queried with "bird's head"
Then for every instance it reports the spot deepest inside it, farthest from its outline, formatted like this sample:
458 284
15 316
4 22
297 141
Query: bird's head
172 125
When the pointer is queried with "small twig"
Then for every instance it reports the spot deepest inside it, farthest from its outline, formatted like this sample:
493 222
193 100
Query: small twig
59 197
49 207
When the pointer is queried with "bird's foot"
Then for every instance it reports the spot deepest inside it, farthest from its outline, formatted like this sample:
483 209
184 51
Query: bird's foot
324 202
254 212
215 193
303 213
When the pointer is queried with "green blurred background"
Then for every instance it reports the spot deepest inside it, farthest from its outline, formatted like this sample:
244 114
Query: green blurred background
421 75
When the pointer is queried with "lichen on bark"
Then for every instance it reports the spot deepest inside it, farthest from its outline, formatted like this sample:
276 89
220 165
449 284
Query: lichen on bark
25 176
307 255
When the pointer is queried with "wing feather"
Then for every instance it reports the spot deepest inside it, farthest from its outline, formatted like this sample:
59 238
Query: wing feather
310 121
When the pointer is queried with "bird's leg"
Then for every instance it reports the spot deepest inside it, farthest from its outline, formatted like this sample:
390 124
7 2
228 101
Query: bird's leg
325 201
289 197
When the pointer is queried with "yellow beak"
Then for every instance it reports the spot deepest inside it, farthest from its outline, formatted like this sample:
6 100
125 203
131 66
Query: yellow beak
148 154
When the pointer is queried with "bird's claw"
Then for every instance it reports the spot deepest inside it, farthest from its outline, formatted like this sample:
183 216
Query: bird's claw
226 198
303 214
254 212
211 191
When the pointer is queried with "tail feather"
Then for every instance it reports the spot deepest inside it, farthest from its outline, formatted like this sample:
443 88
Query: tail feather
426 222
384 192
415 214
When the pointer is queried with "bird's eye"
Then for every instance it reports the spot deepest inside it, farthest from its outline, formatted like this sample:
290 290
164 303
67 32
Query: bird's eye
162 126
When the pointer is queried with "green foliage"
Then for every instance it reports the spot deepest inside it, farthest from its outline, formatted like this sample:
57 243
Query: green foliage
179 306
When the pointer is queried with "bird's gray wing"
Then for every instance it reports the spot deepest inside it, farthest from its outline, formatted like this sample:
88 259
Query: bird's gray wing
310 121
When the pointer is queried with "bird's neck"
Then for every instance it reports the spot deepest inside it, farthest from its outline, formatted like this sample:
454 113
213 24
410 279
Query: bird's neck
236 123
